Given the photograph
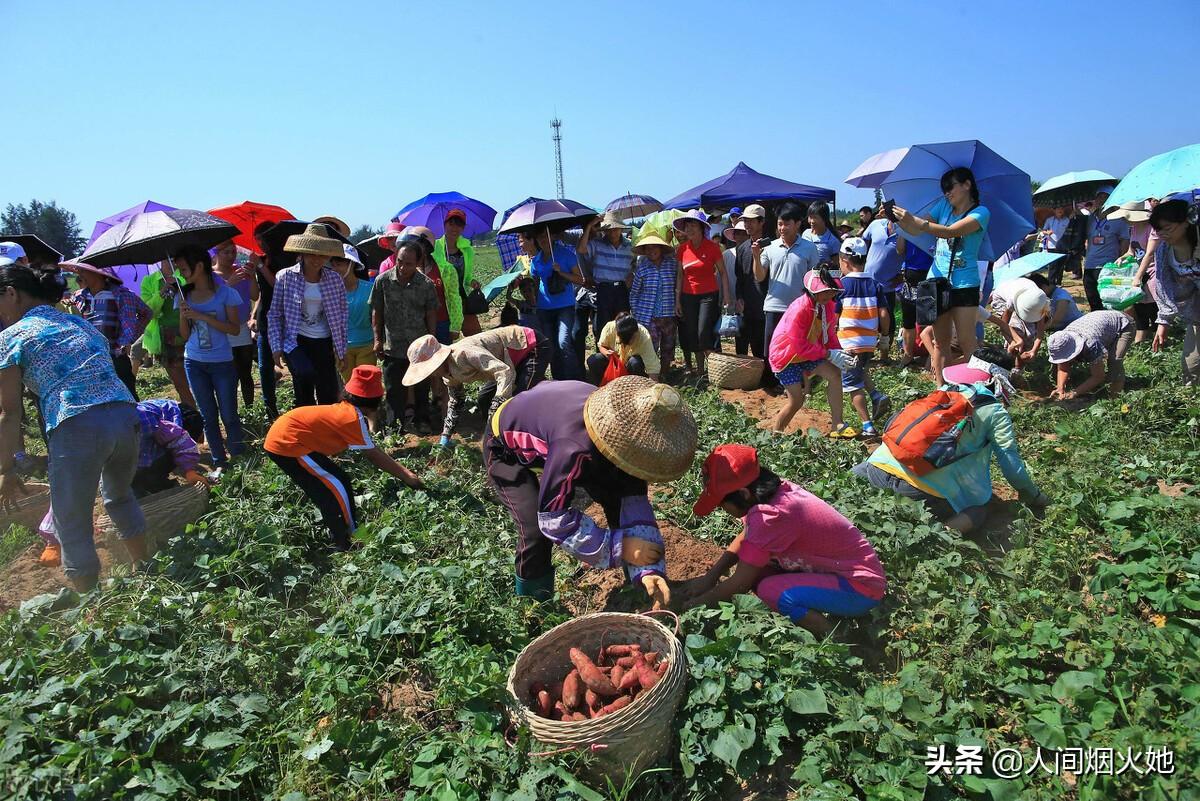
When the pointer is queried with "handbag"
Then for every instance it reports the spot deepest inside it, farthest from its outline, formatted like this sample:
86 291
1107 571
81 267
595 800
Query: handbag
475 302
932 296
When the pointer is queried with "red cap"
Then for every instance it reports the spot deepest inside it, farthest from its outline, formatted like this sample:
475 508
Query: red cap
727 469
366 381
459 213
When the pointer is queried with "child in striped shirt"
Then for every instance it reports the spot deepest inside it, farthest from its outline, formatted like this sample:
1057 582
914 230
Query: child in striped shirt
864 309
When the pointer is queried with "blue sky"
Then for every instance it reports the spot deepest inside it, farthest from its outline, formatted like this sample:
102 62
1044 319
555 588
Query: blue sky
356 108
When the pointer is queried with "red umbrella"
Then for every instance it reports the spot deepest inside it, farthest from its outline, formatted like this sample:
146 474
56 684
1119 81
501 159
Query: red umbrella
247 216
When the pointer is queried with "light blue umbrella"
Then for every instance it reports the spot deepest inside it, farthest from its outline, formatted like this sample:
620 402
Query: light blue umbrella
1158 176
915 184
499 283
1071 187
1026 265
874 171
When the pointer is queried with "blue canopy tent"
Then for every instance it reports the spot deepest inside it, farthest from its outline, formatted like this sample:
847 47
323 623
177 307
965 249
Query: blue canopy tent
743 184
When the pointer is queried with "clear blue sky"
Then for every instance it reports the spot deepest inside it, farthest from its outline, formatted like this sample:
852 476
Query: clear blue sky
356 108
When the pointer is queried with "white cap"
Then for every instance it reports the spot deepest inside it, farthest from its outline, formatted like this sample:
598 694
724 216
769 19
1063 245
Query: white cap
754 211
854 246
10 252
352 254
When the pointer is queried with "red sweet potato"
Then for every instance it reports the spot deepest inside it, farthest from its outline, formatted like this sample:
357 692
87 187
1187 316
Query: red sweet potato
544 704
622 650
629 680
661 670
577 716
620 703
627 661
591 675
615 677
571 694
646 675
651 658
558 712
593 700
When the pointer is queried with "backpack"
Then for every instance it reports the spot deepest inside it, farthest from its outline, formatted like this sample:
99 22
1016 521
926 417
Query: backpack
924 435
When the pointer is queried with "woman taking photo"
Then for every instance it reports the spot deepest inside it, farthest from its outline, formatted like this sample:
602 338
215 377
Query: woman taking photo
91 420
209 314
308 317
959 223
1177 270
699 288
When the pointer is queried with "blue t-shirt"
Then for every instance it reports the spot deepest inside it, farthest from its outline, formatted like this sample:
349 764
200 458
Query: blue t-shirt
965 272
827 244
205 343
883 262
543 268
1104 241
358 326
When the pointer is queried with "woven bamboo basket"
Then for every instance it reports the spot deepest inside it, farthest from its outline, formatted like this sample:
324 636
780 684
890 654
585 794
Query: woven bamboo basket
30 509
167 513
734 372
627 740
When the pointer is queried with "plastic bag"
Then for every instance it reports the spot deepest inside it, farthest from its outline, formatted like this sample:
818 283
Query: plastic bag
730 325
1116 284
615 369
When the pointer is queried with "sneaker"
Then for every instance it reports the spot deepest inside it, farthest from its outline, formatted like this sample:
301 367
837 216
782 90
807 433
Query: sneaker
868 429
880 406
51 555
843 432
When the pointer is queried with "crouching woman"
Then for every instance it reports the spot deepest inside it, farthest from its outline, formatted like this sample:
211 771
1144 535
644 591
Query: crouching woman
797 553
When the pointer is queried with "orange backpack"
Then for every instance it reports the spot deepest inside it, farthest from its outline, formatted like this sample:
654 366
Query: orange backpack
923 436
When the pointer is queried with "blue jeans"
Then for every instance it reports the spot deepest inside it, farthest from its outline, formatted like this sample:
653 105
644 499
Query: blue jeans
96 447
266 371
215 386
557 324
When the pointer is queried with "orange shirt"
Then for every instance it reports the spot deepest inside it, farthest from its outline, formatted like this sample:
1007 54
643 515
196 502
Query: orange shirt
699 266
328 429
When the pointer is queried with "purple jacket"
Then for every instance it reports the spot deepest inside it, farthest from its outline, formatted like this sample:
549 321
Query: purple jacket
287 307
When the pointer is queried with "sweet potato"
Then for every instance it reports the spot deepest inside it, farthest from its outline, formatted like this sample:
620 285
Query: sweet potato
661 670
577 716
651 658
536 688
629 680
615 677
646 675
571 694
558 712
591 675
544 704
620 703
622 650
593 700
627 661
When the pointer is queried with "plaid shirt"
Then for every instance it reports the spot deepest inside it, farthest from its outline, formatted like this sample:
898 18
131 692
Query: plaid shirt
101 311
652 291
286 313
122 316
162 432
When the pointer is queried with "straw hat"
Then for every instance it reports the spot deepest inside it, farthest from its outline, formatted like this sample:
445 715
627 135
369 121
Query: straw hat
78 266
1134 212
425 355
334 223
612 222
314 241
651 238
1064 346
642 427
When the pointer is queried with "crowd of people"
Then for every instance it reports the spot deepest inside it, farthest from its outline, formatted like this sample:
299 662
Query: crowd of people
397 349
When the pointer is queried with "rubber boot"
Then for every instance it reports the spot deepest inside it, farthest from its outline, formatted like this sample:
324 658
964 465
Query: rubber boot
539 589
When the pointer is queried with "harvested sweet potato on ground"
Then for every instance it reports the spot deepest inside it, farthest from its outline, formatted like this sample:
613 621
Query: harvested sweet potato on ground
592 677
572 695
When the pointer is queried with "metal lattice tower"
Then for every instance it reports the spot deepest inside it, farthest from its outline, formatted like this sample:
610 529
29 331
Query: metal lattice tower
556 124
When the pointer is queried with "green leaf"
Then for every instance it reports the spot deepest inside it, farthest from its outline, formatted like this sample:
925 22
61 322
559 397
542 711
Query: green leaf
1069 684
220 739
808 701
730 742
314 751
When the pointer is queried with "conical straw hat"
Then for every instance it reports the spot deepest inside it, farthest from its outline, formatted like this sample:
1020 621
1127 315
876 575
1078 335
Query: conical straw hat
642 427
314 241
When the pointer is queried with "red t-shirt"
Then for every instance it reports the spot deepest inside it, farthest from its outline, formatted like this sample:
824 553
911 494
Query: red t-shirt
435 275
699 266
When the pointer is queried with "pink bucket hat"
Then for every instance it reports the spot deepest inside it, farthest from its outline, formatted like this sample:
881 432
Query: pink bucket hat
77 266
814 284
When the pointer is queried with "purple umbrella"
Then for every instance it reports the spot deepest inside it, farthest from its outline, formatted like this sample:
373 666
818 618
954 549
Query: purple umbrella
557 213
628 207
131 274
431 210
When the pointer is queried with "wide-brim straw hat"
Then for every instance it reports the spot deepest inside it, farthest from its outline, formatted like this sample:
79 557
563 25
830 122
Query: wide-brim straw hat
314 241
333 222
651 238
425 355
611 222
1134 211
1063 346
79 266
642 427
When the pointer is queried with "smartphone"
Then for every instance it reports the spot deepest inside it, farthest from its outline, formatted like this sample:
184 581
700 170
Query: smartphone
888 205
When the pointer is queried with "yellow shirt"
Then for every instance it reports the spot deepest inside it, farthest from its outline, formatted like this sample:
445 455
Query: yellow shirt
641 345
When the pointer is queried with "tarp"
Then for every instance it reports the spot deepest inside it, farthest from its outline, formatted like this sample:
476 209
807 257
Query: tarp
743 184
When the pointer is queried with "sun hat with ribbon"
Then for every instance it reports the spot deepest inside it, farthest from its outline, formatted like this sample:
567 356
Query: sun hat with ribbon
79 266
425 356
313 241
1030 304
387 240
644 428
366 381
694 214
1063 346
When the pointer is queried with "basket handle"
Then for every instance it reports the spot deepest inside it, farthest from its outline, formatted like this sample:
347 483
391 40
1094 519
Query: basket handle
678 623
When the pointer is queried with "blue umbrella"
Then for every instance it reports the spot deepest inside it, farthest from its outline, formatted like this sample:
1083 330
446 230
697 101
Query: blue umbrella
874 171
1158 176
915 184
1026 265
1071 187
431 210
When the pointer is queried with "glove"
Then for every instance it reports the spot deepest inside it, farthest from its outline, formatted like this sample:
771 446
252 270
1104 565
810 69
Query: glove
639 552
658 590
837 358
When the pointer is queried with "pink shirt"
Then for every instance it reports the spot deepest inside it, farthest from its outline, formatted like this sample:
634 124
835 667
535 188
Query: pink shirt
790 342
799 532
387 264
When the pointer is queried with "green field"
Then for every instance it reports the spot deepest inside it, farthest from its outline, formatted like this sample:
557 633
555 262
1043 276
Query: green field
251 663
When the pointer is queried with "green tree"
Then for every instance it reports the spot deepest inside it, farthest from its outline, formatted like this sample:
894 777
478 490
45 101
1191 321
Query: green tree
364 232
55 225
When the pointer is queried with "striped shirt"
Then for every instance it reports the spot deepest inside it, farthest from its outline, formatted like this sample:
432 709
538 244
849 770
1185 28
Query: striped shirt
609 264
652 292
858 325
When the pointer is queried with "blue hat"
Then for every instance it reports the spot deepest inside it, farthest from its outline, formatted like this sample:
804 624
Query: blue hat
736 210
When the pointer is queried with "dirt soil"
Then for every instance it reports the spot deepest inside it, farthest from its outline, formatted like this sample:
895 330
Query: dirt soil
23 577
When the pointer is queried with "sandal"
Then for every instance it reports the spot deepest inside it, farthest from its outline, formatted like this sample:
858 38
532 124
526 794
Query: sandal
843 432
